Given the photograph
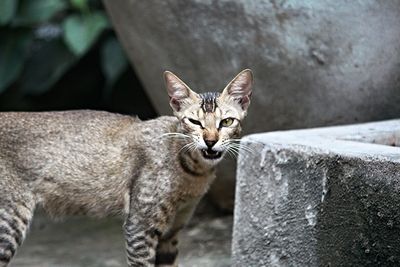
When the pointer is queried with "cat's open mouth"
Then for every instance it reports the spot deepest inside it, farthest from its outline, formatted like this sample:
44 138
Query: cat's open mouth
211 154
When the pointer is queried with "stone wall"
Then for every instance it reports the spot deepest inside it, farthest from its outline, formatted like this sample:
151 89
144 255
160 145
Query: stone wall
320 197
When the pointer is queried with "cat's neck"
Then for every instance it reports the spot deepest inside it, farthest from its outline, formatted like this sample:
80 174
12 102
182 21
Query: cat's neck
194 164
191 160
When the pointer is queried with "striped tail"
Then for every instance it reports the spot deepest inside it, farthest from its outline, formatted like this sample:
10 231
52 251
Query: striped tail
14 223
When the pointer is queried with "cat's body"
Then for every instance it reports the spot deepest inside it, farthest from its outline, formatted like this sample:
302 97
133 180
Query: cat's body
100 164
90 158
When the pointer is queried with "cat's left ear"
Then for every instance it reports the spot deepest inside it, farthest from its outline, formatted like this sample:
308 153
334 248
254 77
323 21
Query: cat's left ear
240 88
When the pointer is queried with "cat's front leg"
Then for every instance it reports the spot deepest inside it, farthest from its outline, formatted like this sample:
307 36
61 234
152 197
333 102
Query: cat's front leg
145 246
167 251
144 226
141 241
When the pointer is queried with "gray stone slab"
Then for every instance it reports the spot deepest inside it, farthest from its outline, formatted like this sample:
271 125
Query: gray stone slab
319 197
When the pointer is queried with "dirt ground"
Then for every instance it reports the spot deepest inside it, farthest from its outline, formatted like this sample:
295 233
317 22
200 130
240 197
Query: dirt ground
85 242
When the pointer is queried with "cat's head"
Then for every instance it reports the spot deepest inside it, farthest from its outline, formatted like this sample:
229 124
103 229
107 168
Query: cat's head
211 121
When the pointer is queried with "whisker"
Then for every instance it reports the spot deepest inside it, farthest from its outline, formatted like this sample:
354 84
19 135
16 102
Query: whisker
247 140
232 153
234 150
185 147
241 147
243 150
193 147
174 135
236 142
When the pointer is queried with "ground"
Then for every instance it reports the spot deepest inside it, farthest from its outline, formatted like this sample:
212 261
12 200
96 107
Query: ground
85 242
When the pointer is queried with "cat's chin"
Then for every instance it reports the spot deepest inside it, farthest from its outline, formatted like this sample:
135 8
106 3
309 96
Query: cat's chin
211 154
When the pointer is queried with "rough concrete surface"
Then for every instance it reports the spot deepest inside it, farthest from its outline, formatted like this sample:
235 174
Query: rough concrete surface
319 197
84 242
316 63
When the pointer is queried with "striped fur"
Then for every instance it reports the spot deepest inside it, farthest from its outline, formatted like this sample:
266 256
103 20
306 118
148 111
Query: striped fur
209 101
16 212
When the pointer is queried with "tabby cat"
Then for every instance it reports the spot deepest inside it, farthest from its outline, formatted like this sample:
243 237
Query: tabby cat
97 163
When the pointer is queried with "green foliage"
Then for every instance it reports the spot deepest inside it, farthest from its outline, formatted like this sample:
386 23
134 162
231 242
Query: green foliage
113 61
81 5
36 11
13 48
81 31
7 10
40 74
40 40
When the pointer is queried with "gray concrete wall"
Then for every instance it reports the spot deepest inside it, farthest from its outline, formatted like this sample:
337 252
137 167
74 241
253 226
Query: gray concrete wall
315 63
320 197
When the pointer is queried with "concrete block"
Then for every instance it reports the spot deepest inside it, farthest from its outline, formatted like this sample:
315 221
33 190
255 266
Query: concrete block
319 197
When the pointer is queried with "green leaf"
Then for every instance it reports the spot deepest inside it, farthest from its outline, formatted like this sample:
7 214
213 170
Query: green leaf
7 10
36 11
113 60
46 65
13 48
80 32
81 5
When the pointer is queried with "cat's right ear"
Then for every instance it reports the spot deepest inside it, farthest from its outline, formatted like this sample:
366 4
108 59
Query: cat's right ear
179 93
240 88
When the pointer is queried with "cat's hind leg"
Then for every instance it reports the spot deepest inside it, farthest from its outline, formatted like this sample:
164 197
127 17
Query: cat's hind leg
16 211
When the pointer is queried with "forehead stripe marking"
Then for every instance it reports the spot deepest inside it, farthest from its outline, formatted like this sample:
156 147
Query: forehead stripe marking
209 101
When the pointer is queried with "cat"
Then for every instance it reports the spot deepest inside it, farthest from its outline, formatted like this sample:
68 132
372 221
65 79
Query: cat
98 163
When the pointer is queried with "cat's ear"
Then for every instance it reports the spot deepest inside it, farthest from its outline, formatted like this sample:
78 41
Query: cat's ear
179 93
240 88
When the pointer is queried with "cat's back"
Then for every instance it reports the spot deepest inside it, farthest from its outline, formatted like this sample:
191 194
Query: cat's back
34 134
85 135
63 124
86 131
46 121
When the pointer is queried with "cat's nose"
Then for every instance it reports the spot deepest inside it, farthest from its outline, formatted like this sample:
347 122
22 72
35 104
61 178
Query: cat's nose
210 143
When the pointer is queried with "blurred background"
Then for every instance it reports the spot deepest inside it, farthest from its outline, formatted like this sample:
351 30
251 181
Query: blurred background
61 54
316 63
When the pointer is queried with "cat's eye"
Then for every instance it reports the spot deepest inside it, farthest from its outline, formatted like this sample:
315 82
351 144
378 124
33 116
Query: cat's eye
226 122
195 122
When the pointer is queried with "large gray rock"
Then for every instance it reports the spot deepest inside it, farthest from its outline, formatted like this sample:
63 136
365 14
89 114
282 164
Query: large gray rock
320 197
316 63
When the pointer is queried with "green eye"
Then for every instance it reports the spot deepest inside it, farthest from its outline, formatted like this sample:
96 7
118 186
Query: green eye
226 122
